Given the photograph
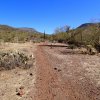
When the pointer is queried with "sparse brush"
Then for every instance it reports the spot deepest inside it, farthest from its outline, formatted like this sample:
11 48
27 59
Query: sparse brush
11 60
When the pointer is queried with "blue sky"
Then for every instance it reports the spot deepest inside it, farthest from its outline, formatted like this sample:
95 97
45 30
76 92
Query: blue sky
48 14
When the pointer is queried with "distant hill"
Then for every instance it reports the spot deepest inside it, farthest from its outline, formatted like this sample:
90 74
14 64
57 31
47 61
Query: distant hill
31 30
11 34
25 29
87 25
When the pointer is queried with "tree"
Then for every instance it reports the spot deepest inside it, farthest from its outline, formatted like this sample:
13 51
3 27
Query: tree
65 28
44 35
61 33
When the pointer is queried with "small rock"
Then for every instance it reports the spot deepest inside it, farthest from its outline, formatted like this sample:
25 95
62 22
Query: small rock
20 93
55 68
21 87
31 74
59 70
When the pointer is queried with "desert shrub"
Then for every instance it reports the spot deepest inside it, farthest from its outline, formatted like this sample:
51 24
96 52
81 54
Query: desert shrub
60 40
11 60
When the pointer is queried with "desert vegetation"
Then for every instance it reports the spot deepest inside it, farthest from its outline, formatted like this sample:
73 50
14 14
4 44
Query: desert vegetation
82 36
21 35
10 60
12 56
86 35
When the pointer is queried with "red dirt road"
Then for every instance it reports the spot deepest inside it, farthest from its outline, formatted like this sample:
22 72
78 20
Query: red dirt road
52 82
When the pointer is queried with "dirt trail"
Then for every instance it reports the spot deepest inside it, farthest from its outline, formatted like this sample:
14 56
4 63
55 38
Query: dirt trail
47 85
64 82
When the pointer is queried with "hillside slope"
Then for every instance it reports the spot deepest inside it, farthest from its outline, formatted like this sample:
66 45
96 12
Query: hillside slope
11 34
85 34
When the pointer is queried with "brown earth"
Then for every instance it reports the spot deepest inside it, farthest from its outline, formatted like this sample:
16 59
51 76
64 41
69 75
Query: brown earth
58 73
62 75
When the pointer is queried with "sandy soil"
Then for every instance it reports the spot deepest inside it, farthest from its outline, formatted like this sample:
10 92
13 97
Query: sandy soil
57 74
12 80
